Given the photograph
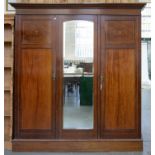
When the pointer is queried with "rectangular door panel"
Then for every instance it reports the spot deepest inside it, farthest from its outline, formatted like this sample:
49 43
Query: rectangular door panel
120 89
37 113
37 31
120 33
36 89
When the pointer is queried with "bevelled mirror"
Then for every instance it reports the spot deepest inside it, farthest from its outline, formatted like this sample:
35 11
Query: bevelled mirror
78 73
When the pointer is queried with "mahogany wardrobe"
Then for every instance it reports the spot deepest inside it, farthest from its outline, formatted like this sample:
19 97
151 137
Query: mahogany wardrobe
77 77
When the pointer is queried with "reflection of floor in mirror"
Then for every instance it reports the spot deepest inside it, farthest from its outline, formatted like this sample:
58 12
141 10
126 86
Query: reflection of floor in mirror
146 132
76 116
72 98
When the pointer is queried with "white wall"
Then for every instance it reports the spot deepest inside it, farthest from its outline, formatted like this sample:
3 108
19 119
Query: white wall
145 74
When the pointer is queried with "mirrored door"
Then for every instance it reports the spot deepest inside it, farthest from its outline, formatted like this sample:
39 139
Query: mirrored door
79 71
78 67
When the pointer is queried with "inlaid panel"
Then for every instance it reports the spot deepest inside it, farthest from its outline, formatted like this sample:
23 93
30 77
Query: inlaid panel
36 31
36 89
118 31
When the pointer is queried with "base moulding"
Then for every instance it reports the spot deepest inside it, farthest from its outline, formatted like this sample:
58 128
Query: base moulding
31 145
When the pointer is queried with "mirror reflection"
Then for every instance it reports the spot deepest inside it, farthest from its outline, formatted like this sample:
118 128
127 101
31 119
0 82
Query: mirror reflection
78 70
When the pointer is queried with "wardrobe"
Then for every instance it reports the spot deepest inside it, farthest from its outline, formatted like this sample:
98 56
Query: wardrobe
77 77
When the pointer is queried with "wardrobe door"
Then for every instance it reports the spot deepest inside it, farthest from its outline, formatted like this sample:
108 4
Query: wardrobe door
34 101
120 77
77 77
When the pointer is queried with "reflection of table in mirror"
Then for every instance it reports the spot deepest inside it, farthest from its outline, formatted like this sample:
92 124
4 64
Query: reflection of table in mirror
86 74
74 78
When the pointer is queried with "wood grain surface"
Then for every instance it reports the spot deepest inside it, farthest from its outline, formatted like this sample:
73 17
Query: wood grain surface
120 100
36 84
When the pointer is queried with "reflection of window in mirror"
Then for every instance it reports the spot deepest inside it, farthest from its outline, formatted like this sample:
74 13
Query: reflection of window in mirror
78 40
78 55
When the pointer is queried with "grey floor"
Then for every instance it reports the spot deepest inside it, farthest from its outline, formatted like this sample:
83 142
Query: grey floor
146 133
76 116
